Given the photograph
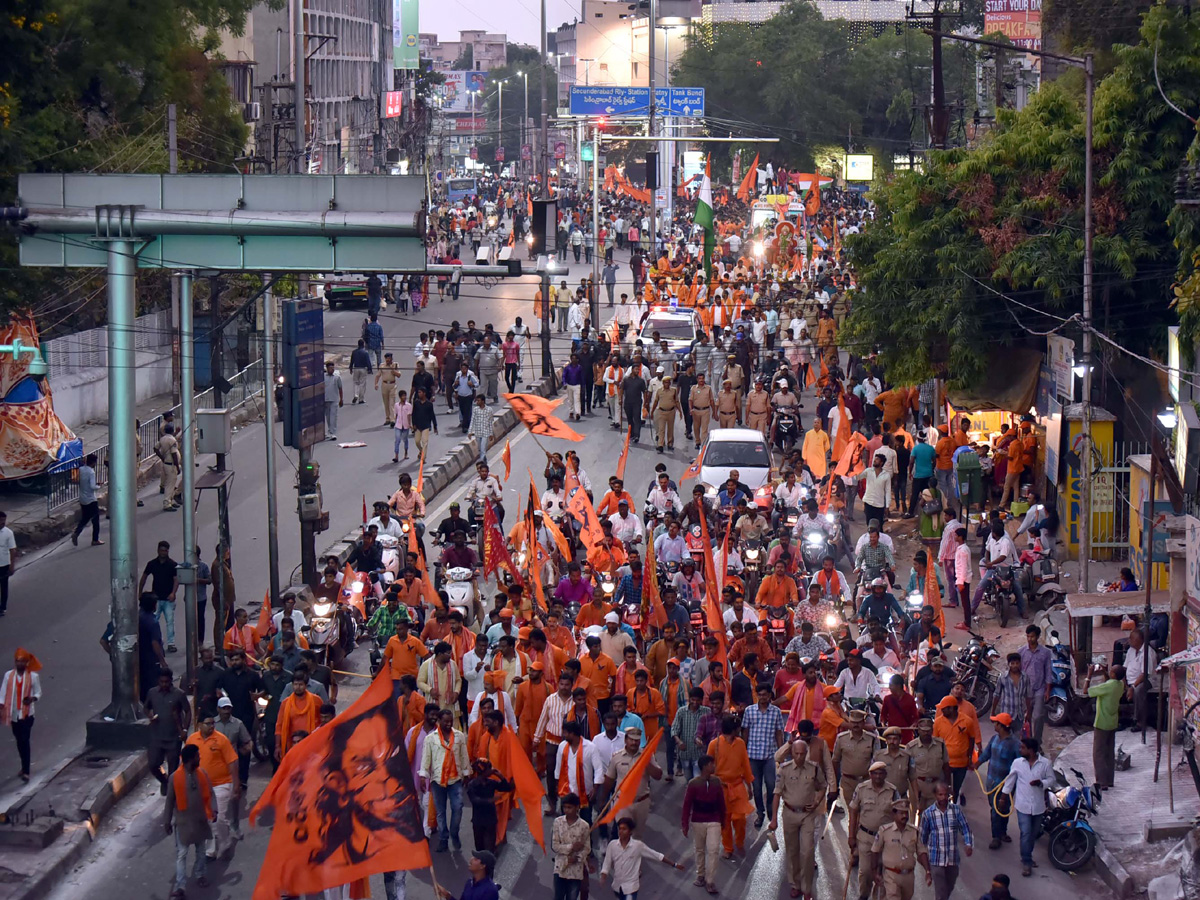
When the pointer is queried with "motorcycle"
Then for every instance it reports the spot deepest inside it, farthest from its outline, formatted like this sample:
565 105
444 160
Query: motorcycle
333 632
608 584
778 619
695 545
361 596
261 739
460 593
999 593
814 547
973 667
1072 840
785 430
754 558
788 515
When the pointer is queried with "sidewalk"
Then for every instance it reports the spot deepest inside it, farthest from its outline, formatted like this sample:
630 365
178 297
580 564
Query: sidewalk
1135 824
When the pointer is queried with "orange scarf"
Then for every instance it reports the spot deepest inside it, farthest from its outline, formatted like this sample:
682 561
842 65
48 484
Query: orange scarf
20 688
449 763
179 782
564 783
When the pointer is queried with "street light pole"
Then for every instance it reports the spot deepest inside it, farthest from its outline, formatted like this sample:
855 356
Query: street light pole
651 30
544 135
500 117
525 119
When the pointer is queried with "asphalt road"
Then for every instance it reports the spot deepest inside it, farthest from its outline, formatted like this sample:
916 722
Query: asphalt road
61 618
133 857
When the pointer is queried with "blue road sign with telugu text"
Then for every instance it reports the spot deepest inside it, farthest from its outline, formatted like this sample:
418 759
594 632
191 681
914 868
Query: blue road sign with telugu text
610 100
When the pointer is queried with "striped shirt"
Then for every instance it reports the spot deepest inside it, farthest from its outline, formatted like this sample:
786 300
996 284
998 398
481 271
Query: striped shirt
550 723
1014 698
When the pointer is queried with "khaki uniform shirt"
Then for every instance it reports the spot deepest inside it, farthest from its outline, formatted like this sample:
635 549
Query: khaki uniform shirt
168 449
899 767
874 805
898 849
758 402
668 399
818 755
727 402
853 754
702 399
618 767
798 786
928 762
388 373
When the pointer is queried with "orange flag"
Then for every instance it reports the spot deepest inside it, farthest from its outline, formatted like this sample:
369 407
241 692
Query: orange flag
354 768
560 540
842 438
631 784
420 485
694 469
712 602
537 414
851 462
652 606
933 596
750 182
506 458
264 617
812 203
580 506
624 457
810 377
427 588
530 788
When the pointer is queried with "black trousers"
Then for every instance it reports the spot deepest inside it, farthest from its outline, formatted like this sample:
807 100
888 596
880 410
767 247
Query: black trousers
510 376
5 571
160 751
464 411
21 731
633 415
484 832
89 512
585 392
918 485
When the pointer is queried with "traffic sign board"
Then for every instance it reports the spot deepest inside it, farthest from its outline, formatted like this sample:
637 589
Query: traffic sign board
635 101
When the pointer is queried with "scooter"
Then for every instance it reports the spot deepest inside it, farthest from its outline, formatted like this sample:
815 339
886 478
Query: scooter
333 632
1072 840
460 593
1065 704
814 547
1039 577
785 430
754 557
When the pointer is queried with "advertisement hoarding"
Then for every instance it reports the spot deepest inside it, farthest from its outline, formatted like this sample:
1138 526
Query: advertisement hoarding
860 167
406 26
456 91
393 104
1018 20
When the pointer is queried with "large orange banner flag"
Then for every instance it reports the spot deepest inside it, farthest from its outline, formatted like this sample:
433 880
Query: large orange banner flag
624 457
652 606
712 600
537 414
530 789
345 804
750 183
631 784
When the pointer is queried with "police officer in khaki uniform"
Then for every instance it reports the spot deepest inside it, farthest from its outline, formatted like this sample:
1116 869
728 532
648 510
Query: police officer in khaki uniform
852 752
729 409
870 808
897 760
735 374
799 789
930 762
618 767
895 852
702 401
758 408
663 411
820 756
385 382
167 451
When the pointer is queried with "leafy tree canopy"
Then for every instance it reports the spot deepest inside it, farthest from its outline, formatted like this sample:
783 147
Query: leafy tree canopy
1006 217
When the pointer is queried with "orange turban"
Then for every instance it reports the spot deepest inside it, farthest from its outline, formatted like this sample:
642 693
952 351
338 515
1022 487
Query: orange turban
31 661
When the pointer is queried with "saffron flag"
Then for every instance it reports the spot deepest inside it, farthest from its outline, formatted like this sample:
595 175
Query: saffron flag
420 485
851 462
624 457
842 437
694 469
812 202
810 377
560 540
264 617
631 784
537 414
712 599
427 589
345 804
653 611
529 788
506 458
581 508
933 596
749 184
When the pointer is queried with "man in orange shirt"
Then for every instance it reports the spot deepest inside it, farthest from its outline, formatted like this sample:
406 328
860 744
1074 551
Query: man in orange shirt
616 492
593 612
531 697
733 768
752 642
777 589
219 761
961 438
557 633
944 467
832 716
411 703
551 657
646 702
299 713
403 653
956 733
599 669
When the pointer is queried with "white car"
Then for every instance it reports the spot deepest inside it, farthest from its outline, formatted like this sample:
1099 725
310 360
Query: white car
678 327
743 449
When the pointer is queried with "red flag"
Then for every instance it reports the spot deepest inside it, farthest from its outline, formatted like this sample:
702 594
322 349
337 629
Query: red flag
694 469
264 617
506 458
624 457
537 414
352 781
364 510
652 607
495 551
712 599
631 784
420 485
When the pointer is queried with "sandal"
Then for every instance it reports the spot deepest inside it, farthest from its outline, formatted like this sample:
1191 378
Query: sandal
699 882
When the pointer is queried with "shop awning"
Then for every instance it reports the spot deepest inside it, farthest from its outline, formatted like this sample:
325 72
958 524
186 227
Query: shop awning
1187 657
1117 603
1011 383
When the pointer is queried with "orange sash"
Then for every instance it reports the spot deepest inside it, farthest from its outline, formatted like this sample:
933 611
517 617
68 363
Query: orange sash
179 783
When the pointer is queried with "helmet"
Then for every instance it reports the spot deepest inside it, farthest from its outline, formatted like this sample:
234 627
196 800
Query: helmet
878 583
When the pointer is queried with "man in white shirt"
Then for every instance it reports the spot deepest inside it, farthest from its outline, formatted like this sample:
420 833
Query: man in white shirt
999 550
385 521
554 501
857 682
789 495
20 690
1138 677
8 552
476 663
289 610
626 527
1026 785
607 742
578 755
663 498
671 546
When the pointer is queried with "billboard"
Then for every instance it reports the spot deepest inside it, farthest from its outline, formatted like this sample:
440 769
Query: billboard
456 92
393 104
1018 20
860 167
406 49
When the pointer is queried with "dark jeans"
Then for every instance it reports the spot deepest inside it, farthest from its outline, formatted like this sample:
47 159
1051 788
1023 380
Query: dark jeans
484 832
5 571
159 751
201 609
957 776
634 417
873 512
89 512
671 748
510 376
566 888
918 485
999 822
464 411
585 392
764 774
21 731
